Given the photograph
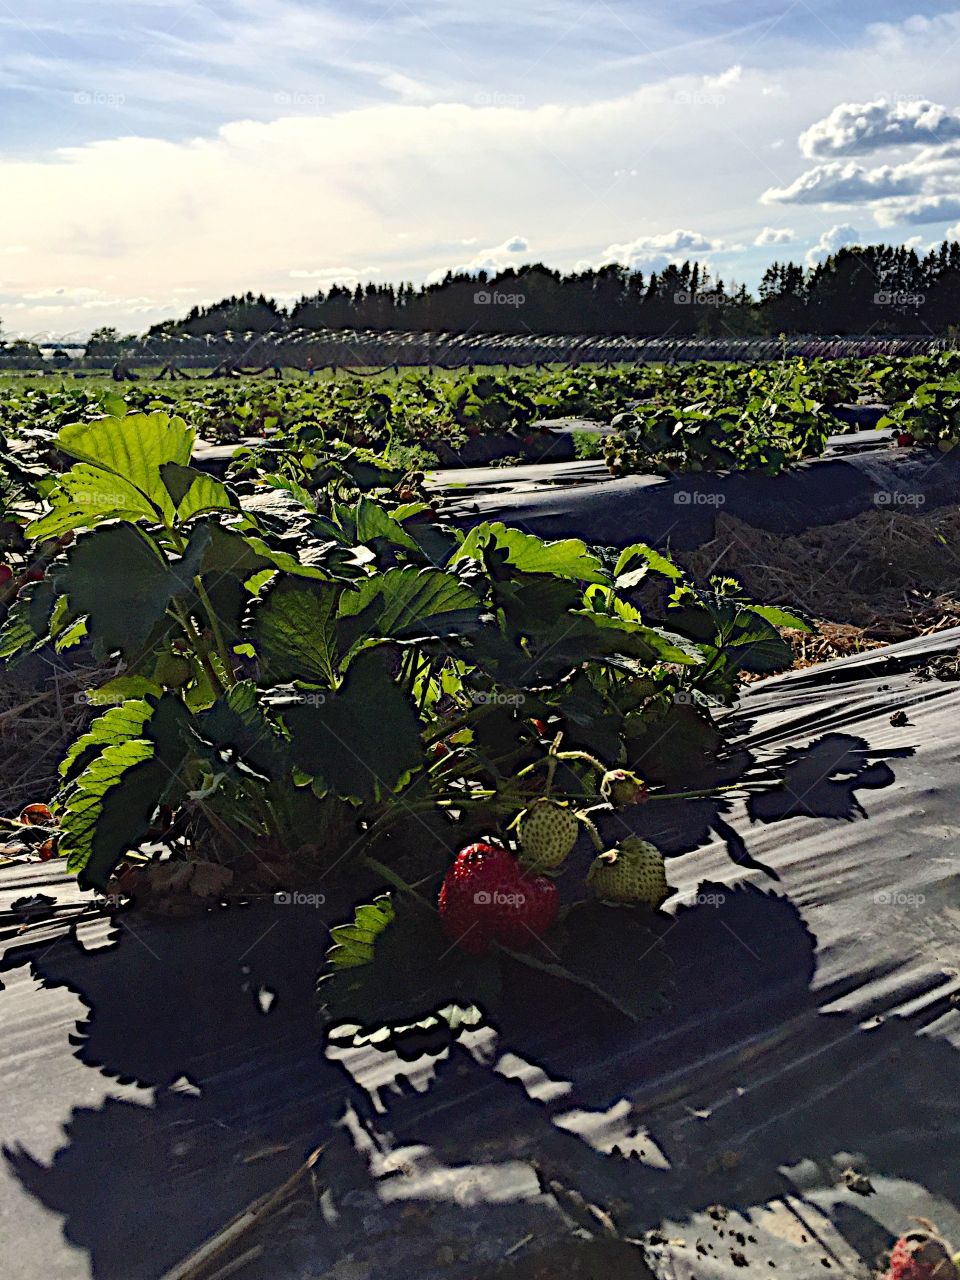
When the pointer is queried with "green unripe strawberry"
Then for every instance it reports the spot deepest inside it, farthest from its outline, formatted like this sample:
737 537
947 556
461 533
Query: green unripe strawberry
632 873
548 832
620 788
173 670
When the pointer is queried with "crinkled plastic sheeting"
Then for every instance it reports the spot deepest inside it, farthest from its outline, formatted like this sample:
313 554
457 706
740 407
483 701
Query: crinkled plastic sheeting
812 1029
579 500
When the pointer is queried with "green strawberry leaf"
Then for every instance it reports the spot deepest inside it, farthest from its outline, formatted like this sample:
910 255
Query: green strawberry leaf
360 740
194 492
413 602
530 554
393 968
295 631
117 578
118 725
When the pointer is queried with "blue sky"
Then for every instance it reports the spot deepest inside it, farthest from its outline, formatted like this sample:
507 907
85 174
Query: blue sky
158 153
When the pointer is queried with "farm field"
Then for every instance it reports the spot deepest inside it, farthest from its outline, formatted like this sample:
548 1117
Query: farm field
267 663
479 640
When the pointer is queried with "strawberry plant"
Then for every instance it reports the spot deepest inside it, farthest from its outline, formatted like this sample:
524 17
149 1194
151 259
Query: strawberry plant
288 650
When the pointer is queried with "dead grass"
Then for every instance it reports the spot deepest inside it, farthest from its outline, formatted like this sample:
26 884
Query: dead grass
870 581
41 712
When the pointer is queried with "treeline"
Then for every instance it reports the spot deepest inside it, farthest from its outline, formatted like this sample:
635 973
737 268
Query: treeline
879 289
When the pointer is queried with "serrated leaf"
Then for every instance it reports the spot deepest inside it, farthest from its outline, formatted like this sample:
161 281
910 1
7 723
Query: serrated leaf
27 625
86 839
86 496
635 640
653 561
360 740
133 447
780 617
354 943
296 631
194 492
117 725
415 602
412 975
118 580
371 520
530 554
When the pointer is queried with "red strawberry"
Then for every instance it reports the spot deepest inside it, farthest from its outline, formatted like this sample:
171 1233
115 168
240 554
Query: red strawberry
921 1255
905 439
36 574
486 897
6 573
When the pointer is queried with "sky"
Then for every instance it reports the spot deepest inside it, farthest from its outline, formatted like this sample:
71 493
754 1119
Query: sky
156 154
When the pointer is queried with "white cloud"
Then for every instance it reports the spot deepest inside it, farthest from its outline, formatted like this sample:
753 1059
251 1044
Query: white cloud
855 127
832 240
406 88
914 213
334 275
489 260
775 235
837 183
726 79
653 253
395 185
